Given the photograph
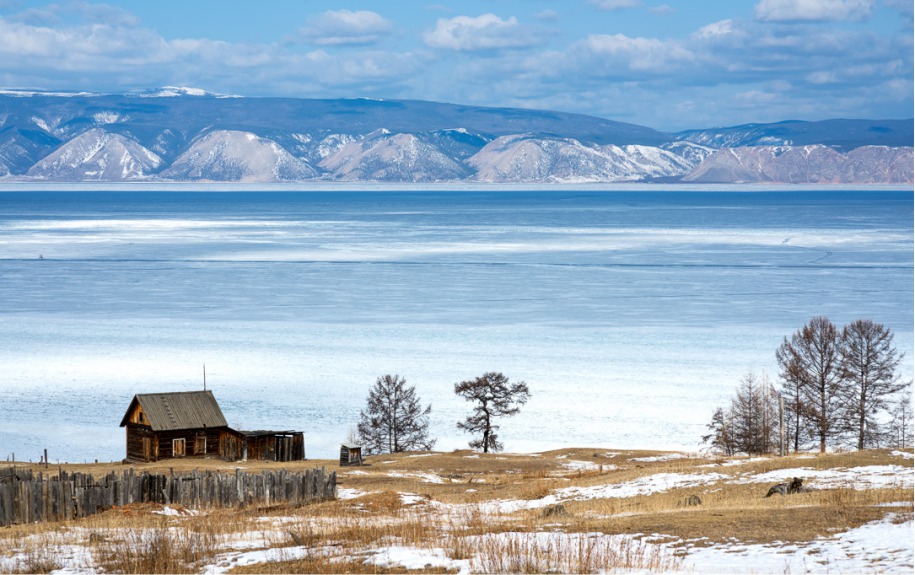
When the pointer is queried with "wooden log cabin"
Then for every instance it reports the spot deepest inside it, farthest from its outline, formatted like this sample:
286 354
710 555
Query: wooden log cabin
191 424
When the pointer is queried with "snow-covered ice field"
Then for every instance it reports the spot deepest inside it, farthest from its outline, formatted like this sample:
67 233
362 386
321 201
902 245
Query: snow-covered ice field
631 315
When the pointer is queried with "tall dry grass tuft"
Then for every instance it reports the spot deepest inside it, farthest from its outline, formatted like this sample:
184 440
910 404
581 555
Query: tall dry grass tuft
568 553
157 550
460 532
36 555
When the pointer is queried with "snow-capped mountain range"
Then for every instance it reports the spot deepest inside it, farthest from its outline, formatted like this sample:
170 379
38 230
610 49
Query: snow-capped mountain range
186 134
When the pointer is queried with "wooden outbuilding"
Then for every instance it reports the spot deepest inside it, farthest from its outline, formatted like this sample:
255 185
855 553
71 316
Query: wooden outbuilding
191 424
350 454
274 445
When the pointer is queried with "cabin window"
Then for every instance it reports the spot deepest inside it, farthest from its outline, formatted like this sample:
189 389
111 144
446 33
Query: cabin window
178 447
200 445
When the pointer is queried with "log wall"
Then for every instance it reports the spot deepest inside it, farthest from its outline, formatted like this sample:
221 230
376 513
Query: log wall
28 498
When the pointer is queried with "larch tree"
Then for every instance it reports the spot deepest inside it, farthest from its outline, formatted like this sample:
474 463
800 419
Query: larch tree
901 430
868 366
750 424
796 411
754 415
813 352
494 396
720 438
394 419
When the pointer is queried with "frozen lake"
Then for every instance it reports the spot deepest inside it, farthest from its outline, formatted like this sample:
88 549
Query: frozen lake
630 315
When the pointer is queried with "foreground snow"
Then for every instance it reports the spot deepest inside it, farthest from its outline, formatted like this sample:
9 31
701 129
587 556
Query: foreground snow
881 547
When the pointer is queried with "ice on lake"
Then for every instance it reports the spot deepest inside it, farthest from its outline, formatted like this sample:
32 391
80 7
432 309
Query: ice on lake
630 315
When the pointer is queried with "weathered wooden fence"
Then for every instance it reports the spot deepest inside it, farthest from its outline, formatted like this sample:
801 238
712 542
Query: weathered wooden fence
26 497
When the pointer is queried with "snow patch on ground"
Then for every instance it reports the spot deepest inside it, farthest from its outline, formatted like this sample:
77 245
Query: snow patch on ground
903 454
424 477
642 486
413 558
228 561
583 466
865 477
412 498
735 462
172 512
880 547
665 457
347 493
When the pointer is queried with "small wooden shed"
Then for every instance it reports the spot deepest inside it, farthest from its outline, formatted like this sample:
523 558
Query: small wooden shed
275 445
350 454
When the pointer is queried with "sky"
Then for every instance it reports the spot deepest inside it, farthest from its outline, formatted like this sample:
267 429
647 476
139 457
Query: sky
667 64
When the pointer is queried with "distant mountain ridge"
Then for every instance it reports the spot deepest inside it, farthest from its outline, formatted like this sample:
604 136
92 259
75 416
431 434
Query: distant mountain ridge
187 134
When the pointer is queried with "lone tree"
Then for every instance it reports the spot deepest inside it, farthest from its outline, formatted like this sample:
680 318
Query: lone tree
394 420
811 358
868 366
494 397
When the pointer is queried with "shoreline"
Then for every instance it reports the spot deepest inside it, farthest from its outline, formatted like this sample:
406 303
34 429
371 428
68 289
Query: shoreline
309 187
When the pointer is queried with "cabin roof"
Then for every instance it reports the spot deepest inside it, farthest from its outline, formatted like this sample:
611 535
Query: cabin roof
178 410
351 445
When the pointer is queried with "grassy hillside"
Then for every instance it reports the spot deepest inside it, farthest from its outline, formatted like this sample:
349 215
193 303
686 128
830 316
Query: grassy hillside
579 510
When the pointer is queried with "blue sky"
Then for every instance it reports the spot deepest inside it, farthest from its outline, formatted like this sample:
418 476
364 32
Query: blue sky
667 64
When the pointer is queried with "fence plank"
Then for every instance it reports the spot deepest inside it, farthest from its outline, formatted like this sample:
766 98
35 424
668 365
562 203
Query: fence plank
25 498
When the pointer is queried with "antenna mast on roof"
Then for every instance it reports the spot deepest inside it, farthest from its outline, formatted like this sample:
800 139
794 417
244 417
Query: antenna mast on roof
204 377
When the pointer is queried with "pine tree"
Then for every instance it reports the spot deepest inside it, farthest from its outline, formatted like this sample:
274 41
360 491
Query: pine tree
494 397
394 420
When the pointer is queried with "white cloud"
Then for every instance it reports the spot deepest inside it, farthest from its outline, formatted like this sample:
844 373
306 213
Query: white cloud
813 10
342 27
618 51
715 29
547 15
662 9
486 32
615 4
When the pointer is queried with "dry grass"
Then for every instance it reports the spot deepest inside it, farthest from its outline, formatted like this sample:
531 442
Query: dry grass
553 553
331 565
161 550
453 511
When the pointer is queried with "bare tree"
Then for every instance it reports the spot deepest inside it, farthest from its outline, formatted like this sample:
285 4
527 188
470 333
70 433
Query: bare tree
754 415
812 356
494 397
868 366
720 438
394 420
750 424
797 414
901 425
